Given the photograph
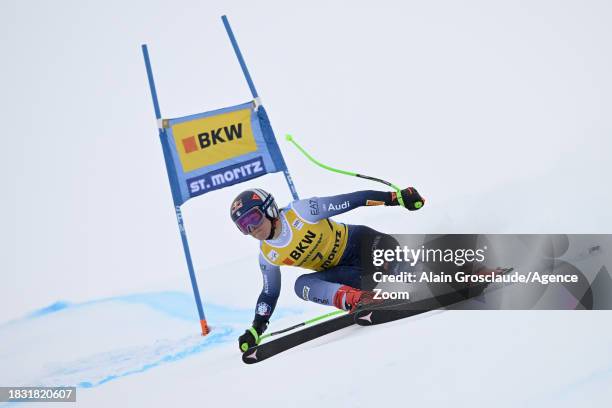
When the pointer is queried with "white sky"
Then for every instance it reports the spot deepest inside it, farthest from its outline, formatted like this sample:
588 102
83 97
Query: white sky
498 112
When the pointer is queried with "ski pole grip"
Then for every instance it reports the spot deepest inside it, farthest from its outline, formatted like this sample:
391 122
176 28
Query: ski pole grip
400 200
416 204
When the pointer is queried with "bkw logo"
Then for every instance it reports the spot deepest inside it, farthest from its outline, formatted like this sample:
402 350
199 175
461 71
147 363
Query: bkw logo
213 137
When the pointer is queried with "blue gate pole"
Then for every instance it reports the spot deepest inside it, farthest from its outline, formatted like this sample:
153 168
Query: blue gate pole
247 76
177 206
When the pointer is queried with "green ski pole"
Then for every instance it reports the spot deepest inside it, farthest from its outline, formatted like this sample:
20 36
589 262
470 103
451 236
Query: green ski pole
245 346
306 323
290 139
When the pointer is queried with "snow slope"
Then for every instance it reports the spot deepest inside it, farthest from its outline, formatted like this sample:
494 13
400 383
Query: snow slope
142 350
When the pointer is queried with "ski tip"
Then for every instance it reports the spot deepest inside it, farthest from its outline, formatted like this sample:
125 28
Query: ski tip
366 318
250 357
288 137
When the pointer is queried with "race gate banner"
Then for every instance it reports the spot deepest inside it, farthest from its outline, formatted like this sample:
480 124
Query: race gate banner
216 149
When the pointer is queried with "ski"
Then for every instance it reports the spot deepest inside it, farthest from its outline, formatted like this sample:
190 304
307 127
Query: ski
388 312
266 350
400 309
383 313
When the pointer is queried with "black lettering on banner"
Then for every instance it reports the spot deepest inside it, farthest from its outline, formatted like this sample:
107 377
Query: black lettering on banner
204 140
233 132
215 136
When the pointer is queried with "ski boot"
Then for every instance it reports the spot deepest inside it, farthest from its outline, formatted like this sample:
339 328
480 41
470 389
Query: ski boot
350 299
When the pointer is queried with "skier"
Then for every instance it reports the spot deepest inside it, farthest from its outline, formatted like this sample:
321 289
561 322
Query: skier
302 234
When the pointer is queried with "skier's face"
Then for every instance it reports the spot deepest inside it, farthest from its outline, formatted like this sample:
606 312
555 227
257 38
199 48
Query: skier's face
262 231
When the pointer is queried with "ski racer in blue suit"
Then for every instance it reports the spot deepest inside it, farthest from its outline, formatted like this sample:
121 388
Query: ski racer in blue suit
303 234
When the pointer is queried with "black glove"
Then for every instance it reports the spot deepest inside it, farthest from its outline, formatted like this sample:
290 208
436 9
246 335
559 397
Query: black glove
411 197
250 338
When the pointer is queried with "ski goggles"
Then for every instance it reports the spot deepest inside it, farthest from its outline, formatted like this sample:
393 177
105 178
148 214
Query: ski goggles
251 219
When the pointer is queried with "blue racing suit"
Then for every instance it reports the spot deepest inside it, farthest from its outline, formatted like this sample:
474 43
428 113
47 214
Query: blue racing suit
346 269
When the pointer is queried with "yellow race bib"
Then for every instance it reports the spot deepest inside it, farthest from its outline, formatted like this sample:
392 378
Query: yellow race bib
317 246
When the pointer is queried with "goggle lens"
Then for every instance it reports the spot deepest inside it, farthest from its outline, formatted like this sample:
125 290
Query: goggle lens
249 220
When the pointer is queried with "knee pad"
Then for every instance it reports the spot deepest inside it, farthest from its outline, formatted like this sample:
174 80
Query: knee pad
301 288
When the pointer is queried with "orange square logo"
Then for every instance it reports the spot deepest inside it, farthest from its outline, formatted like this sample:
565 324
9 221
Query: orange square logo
189 144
